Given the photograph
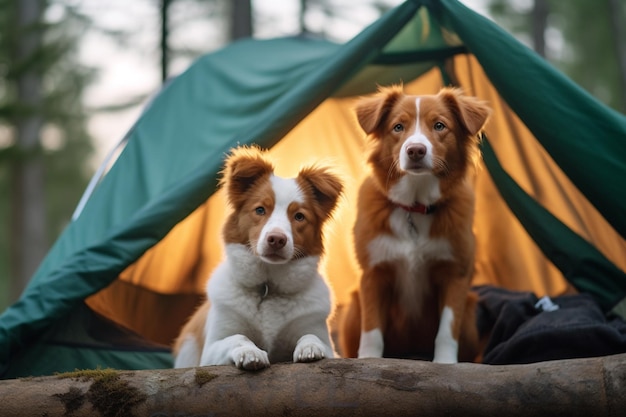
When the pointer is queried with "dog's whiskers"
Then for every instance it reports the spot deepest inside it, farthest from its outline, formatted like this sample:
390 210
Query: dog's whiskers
298 252
391 172
251 246
441 166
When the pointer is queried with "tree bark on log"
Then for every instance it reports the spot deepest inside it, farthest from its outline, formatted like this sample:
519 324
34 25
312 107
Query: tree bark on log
346 387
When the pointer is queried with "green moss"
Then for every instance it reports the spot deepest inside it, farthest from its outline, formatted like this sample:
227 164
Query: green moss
203 376
87 374
72 400
109 394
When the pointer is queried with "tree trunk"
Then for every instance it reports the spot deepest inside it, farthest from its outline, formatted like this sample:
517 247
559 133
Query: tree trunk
28 214
241 19
304 30
539 16
360 387
616 15
165 8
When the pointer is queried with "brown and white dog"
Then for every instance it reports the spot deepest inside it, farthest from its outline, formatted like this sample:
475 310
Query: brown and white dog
413 232
266 302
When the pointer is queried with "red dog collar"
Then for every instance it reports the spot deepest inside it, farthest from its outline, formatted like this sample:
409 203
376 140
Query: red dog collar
418 208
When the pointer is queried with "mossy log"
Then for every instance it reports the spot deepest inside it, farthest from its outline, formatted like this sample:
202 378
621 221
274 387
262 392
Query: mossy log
336 387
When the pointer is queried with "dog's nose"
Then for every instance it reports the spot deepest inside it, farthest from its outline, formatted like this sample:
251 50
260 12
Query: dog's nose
276 240
416 151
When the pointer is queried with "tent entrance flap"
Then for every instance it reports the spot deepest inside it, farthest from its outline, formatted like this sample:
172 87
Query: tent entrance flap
586 268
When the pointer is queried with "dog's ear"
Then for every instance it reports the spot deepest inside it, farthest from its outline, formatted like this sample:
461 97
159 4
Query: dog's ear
243 168
471 112
372 111
325 186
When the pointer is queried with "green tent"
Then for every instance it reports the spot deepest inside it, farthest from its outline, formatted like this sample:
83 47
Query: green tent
127 271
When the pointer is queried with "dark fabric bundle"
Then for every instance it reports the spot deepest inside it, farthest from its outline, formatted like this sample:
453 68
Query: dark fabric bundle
521 328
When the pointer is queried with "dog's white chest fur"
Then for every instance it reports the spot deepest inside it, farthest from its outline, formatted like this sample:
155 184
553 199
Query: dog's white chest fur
268 303
410 249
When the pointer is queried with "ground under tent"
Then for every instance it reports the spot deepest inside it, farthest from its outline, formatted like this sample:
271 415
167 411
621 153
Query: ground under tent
130 268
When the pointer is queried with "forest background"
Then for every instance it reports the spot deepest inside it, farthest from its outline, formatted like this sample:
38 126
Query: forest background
74 75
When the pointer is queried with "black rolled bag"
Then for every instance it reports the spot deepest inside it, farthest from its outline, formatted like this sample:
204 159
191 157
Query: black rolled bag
523 328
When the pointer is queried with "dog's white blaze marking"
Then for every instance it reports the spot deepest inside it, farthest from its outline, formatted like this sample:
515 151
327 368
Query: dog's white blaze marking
446 347
417 137
286 191
371 344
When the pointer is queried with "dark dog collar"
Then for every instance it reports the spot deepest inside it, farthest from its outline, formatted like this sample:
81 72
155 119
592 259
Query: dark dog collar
418 208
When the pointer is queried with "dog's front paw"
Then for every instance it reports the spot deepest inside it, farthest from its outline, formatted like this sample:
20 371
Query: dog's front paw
309 348
250 358
371 344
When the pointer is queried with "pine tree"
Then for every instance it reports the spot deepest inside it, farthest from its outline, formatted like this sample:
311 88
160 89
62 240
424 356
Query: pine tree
44 145
579 37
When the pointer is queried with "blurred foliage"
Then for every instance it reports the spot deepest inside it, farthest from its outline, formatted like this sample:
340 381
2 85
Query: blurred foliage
65 145
579 41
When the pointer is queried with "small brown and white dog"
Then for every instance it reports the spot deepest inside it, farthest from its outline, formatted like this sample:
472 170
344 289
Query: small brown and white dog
413 232
266 302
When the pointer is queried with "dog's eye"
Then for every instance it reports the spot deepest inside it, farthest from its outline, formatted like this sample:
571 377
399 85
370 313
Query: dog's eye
260 211
398 127
299 216
439 126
